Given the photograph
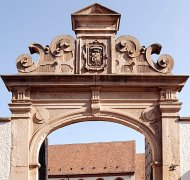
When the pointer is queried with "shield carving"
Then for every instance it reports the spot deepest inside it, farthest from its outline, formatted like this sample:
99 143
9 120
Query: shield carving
96 56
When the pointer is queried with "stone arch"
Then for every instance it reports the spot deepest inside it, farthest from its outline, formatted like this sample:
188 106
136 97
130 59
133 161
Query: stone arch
106 115
100 77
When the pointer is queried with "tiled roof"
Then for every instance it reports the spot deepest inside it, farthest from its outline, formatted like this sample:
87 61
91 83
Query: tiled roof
92 158
139 167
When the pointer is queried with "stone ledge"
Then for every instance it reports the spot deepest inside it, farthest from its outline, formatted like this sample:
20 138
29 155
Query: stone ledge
109 80
184 119
5 119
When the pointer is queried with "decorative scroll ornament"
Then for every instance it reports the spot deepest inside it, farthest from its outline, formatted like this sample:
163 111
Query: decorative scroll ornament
128 57
129 45
58 58
25 63
128 48
150 114
63 46
95 56
165 62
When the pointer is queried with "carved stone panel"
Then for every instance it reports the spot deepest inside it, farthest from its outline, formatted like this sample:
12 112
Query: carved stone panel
94 55
132 58
151 114
59 57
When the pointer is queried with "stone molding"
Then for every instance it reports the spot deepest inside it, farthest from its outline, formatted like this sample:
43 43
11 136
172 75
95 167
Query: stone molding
5 119
184 119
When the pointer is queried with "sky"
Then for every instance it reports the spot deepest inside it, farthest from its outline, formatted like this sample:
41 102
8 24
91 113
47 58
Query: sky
164 22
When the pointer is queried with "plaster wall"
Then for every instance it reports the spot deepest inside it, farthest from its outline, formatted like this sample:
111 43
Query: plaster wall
185 150
5 150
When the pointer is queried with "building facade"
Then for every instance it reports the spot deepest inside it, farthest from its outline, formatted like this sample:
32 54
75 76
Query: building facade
92 161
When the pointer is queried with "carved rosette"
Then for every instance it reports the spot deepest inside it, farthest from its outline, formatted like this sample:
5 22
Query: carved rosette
95 57
59 57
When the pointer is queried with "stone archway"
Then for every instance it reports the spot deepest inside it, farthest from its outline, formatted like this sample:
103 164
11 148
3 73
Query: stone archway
94 77
109 116
52 106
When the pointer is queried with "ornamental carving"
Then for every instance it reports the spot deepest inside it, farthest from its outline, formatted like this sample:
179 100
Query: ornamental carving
165 62
41 115
128 49
57 58
96 50
151 114
95 55
132 58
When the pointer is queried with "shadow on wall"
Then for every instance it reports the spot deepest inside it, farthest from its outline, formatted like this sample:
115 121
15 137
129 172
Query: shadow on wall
186 176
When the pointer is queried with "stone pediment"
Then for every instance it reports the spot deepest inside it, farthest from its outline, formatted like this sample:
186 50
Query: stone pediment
95 9
95 50
96 18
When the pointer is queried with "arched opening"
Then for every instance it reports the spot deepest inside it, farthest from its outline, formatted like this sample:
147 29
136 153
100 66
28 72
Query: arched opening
97 136
110 120
109 116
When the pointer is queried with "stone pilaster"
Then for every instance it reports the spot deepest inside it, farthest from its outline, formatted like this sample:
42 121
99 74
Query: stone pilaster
20 134
170 140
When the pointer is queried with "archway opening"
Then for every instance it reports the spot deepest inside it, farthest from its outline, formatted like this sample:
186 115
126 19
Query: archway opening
84 135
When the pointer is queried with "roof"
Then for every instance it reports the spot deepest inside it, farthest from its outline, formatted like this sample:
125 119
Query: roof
95 9
95 18
140 166
92 158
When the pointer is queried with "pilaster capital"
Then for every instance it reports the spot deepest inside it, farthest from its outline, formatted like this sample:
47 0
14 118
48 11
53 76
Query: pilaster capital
169 110
20 110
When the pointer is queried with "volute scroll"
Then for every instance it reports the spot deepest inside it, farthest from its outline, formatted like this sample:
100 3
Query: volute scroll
165 62
25 63
128 44
59 57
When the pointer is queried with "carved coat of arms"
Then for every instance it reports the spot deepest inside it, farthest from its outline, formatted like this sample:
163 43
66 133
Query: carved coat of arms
94 54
